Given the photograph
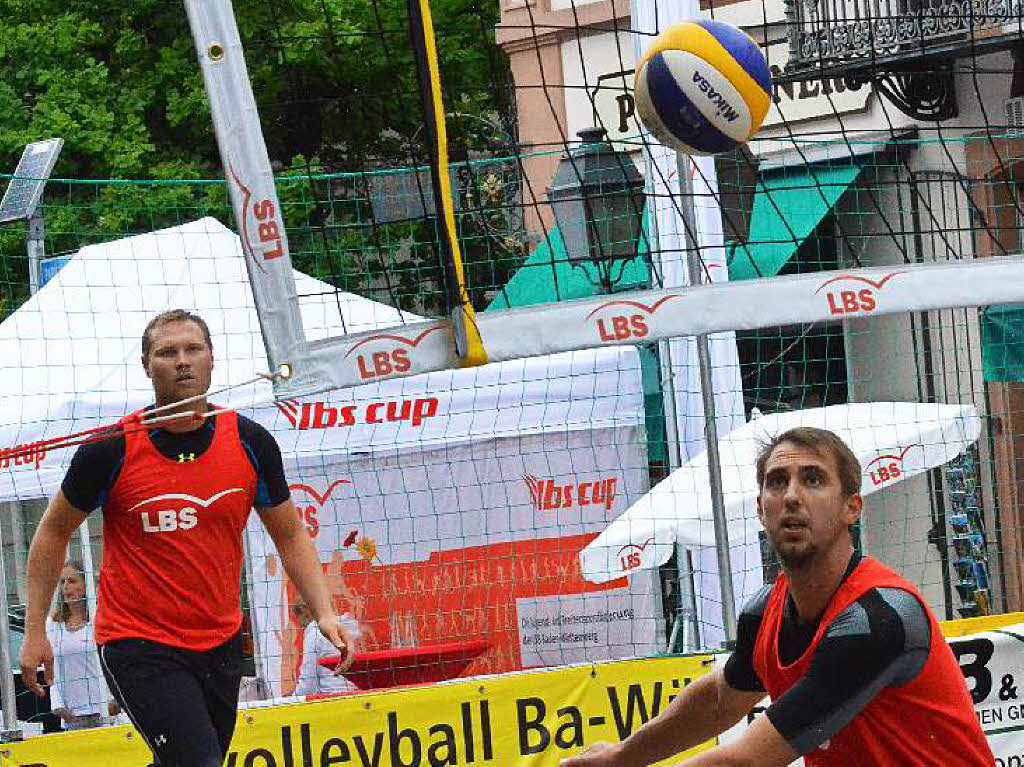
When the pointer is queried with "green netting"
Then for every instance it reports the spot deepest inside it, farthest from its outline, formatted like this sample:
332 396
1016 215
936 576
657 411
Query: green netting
834 180
356 204
373 233
1002 330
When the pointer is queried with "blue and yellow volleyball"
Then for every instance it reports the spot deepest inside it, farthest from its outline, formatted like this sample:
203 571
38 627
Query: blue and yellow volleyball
703 87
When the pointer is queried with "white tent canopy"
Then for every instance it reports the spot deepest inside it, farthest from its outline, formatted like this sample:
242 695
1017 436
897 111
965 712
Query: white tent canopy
915 436
893 441
74 349
458 466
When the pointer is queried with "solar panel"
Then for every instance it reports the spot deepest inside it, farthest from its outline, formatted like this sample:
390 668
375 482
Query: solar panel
23 193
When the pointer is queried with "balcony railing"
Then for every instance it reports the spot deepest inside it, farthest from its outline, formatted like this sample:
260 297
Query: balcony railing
846 35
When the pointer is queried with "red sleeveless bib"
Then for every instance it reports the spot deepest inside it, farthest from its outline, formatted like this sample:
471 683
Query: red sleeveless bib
172 543
929 722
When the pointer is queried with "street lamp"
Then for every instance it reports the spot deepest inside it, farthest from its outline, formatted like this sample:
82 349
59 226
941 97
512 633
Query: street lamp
597 196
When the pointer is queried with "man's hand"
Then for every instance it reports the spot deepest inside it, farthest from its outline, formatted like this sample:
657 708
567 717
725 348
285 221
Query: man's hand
339 636
36 650
600 754
66 715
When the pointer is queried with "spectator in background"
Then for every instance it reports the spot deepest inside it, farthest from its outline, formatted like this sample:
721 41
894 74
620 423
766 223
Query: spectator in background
313 678
79 694
294 633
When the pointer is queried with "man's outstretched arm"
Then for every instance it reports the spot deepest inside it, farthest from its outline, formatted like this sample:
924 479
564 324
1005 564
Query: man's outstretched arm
761 745
707 707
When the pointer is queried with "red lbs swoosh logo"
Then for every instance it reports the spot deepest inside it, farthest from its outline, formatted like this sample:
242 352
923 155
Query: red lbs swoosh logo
392 359
848 299
289 409
320 498
308 512
877 284
629 321
533 485
412 343
649 310
269 230
888 467
629 555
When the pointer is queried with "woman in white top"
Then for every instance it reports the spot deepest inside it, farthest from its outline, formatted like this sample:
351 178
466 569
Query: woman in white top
79 694
314 678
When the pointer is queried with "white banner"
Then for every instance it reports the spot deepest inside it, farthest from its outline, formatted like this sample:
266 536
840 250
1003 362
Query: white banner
472 541
80 368
652 315
991 662
684 190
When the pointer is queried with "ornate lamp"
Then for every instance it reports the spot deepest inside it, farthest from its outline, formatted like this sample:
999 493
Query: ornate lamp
597 196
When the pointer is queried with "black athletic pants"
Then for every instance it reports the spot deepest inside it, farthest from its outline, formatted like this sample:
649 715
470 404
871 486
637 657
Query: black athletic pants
182 702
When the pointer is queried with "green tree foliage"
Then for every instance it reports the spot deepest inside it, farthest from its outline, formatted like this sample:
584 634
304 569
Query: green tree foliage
348 92
117 80
334 80
335 85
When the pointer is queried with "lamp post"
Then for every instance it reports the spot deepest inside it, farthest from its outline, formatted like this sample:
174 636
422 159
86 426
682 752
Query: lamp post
597 196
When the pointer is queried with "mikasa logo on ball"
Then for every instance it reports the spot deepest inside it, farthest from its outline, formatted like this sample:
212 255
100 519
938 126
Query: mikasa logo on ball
724 108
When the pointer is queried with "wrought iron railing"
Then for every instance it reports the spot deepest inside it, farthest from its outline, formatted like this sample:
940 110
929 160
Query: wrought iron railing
830 33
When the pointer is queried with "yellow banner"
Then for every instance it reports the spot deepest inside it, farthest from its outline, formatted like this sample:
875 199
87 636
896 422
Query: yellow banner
528 718
964 626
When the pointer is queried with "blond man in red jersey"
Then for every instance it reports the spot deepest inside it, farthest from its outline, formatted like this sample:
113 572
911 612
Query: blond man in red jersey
175 503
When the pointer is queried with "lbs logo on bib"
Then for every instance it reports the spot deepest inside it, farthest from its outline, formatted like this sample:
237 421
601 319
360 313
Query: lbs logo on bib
175 511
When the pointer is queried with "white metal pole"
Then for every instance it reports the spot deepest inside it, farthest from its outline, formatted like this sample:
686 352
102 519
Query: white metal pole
650 16
7 698
35 246
85 541
255 622
707 392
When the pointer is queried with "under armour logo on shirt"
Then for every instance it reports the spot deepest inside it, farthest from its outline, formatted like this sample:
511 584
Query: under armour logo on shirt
186 457
160 740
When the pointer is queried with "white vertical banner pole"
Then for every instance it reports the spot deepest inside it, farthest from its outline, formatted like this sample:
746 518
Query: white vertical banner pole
10 731
85 541
671 245
707 391
250 179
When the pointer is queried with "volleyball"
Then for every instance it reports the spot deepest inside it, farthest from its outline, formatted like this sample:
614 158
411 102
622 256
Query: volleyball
703 87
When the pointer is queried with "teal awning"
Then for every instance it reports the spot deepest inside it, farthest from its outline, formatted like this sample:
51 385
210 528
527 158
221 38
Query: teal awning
788 206
1002 343
548 276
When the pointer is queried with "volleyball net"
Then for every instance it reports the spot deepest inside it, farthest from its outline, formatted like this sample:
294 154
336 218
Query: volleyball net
494 518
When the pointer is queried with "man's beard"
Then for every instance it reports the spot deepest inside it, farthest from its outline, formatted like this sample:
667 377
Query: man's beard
798 559
804 556
795 553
